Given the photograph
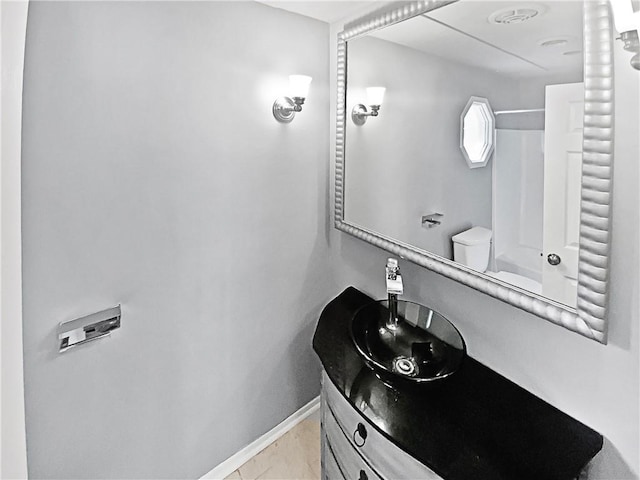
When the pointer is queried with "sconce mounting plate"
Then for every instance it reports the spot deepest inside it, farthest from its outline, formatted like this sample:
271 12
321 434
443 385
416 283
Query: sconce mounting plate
358 114
283 109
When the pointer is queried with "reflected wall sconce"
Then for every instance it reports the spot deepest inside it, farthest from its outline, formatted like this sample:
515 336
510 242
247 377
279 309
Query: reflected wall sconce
285 108
359 114
627 23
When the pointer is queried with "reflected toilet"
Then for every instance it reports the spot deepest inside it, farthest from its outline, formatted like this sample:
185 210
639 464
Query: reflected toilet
472 248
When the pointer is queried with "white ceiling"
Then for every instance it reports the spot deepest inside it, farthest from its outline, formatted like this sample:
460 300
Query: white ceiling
461 32
509 49
325 10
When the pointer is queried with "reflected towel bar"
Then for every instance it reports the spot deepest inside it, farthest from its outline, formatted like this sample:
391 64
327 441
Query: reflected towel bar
526 110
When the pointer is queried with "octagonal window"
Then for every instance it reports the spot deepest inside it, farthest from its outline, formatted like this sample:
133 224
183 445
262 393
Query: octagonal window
477 125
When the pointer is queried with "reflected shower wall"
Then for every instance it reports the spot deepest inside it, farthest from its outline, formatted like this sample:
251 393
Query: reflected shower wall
518 184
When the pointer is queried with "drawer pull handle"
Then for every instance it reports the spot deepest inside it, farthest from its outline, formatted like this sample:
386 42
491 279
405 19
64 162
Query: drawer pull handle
363 475
362 433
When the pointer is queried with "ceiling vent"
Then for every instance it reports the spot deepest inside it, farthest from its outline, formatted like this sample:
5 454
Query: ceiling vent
514 15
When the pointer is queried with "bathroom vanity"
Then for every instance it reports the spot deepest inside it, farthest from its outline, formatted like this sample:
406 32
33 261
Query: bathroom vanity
351 449
475 424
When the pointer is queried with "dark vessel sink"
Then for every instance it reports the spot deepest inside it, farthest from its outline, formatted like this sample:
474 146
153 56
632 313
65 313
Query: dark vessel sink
423 347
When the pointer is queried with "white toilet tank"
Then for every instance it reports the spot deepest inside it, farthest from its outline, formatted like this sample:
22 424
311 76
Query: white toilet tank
472 248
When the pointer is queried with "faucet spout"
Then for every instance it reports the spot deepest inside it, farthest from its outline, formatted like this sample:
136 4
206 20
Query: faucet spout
392 321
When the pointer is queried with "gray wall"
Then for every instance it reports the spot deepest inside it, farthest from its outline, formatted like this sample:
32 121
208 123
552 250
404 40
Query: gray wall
155 176
597 384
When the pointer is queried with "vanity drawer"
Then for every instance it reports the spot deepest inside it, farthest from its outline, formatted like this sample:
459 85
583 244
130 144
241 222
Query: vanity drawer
330 469
350 463
381 454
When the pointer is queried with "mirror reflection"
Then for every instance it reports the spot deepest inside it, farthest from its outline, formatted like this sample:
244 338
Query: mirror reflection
477 128
505 200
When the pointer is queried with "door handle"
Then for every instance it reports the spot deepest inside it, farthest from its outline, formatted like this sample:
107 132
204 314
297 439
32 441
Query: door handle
554 259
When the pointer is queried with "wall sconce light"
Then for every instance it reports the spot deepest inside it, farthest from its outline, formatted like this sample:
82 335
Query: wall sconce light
627 23
285 108
359 114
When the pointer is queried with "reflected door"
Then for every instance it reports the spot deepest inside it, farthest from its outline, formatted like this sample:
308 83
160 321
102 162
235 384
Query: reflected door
564 107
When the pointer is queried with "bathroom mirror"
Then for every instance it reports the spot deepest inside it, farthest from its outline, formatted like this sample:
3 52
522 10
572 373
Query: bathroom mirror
528 222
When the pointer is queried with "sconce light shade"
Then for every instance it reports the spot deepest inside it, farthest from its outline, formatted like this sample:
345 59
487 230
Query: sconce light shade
375 95
360 113
285 108
627 23
299 85
624 17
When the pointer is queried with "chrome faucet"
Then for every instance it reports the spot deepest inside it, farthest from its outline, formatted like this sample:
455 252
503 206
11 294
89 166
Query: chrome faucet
394 288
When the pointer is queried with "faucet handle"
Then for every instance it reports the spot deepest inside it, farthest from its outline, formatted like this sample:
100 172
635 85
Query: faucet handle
392 268
394 279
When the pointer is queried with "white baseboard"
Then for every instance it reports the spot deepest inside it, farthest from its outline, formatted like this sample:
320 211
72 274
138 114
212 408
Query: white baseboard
238 459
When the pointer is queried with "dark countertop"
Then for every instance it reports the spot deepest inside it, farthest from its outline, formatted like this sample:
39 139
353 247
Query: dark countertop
474 425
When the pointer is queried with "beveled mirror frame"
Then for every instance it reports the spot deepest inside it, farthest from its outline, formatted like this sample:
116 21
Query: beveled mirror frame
589 318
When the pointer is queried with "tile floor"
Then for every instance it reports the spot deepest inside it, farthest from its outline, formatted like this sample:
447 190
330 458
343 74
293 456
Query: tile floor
294 456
